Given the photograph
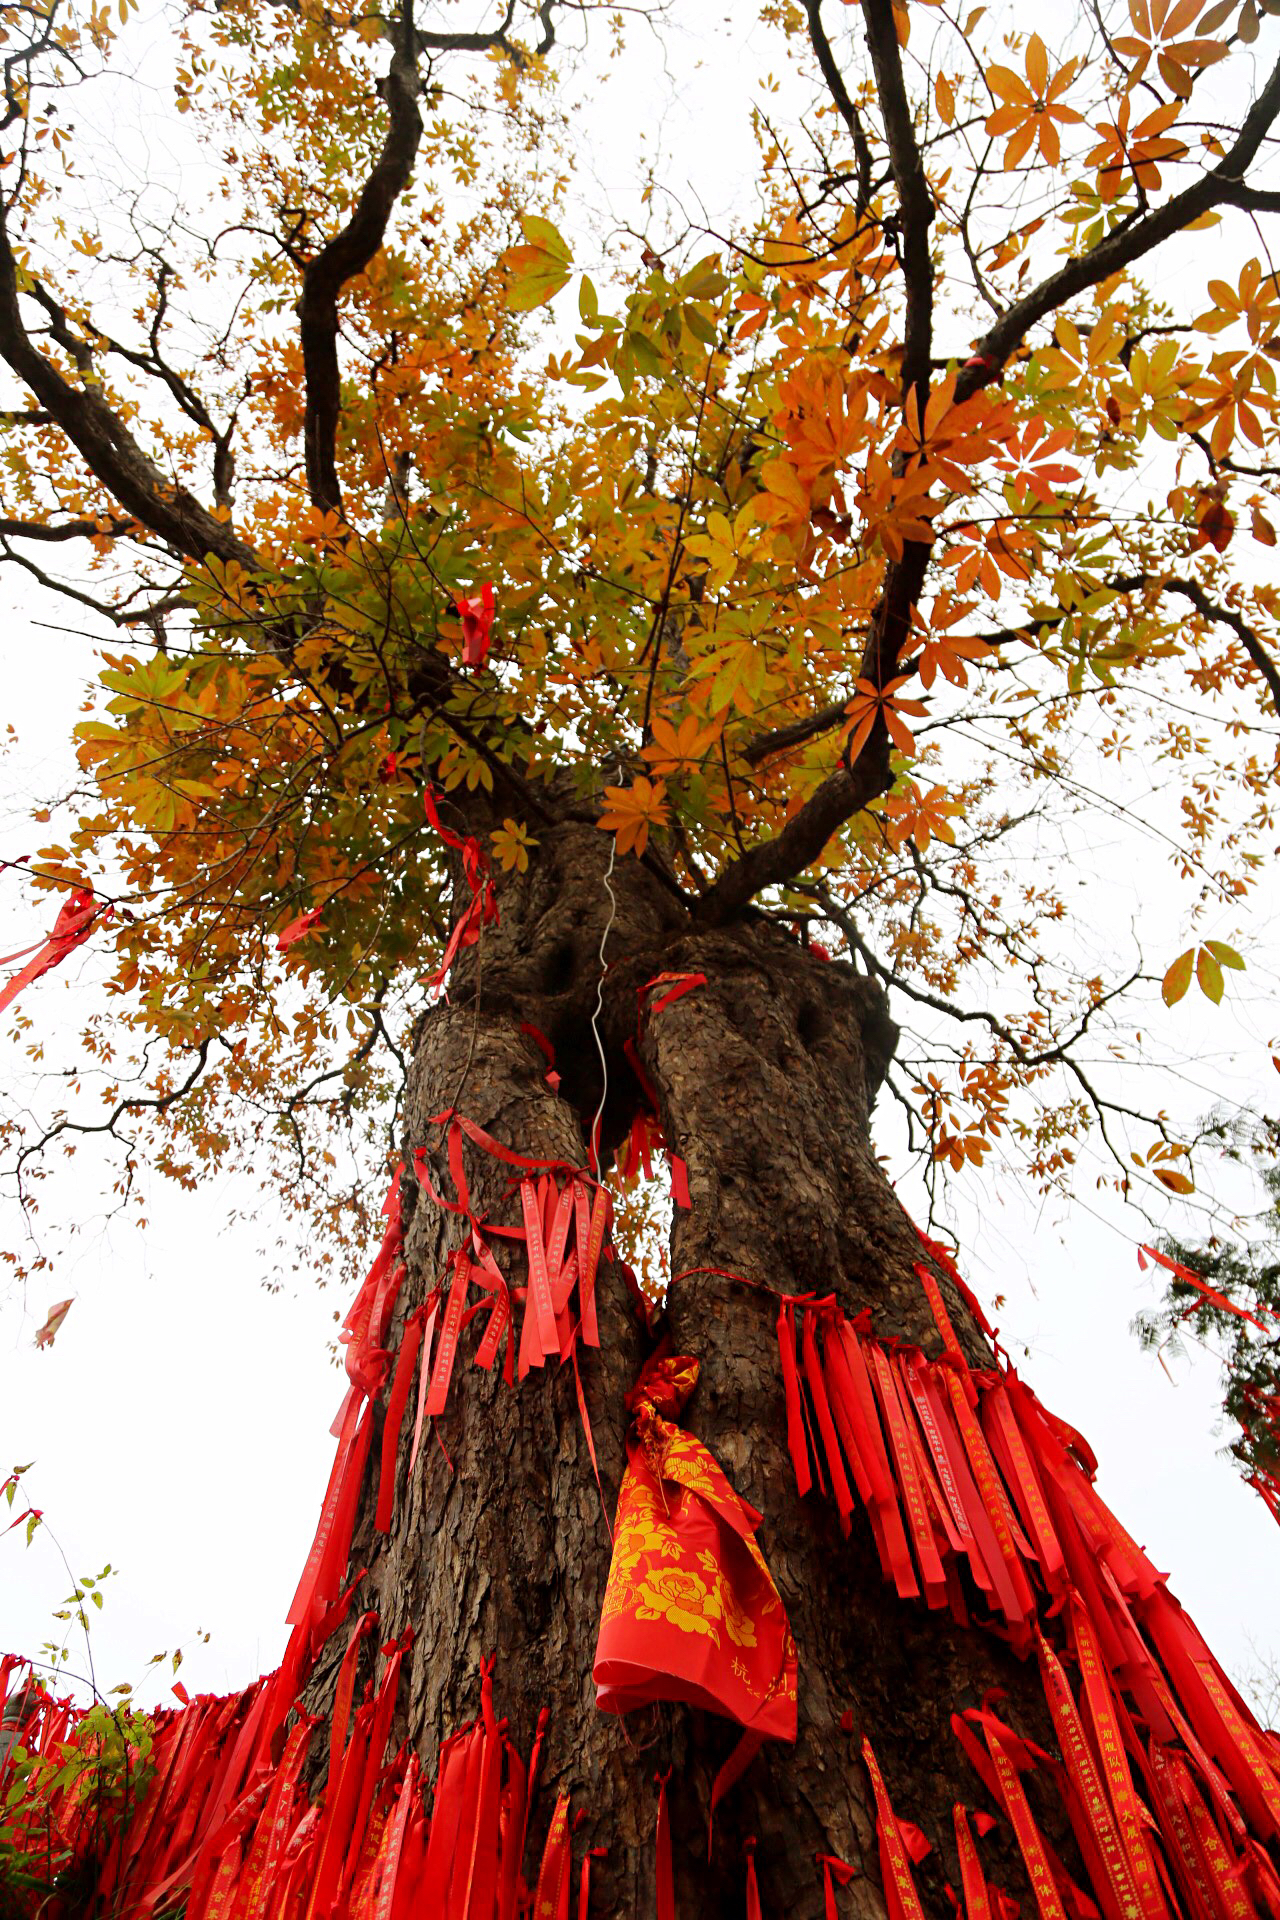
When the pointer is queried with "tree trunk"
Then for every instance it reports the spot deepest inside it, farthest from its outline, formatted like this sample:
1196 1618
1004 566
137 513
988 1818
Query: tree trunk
766 1076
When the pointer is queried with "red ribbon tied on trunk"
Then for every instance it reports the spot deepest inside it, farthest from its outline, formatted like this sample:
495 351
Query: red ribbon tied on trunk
690 1611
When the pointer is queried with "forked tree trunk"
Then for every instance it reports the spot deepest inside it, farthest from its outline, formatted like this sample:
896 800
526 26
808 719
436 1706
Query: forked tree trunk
766 1077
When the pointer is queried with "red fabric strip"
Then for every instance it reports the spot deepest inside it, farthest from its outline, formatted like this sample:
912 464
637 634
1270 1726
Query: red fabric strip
1109 1744
1005 1435
844 1346
753 1889
895 1867
446 1352
539 1303
589 1256
664 1872
489 1274
408 1355
551 1900
1185 1857
1209 1293
685 983
826 1426
977 1900
1005 1568
835 1873
1026 1832
424 1377
406 1802
344 1692
797 1443
944 1520
300 1605
73 925
1083 1774
938 1307
584 1882
585 1418
930 1566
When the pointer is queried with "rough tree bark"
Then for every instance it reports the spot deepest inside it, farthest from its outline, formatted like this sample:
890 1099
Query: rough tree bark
767 1076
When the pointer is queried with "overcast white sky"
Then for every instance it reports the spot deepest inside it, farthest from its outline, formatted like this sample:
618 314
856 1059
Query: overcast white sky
179 1424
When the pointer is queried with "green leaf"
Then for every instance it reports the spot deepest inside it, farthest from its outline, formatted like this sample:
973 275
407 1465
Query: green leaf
1209 975
1178 978
1225 955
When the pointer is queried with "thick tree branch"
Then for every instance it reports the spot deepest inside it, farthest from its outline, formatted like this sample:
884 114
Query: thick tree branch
794 734
1222 185
844 104
60 530
773 862
915 198
345 257
845 791
105 443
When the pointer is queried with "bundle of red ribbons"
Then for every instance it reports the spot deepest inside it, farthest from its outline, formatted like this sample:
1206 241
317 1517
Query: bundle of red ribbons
977 1498
229 1830
980 1499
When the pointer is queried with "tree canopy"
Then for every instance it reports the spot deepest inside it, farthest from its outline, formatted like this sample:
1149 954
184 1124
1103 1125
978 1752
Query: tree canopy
842 566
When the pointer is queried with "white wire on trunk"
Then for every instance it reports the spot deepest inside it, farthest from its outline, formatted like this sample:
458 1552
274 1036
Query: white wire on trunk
593 1139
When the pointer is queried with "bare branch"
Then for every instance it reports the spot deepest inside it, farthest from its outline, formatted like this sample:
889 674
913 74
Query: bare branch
1212 610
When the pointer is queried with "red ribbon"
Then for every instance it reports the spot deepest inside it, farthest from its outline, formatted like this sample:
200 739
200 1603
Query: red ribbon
665 1874
408 1354
1202 1287
344 1692
835 1873
552 1895
797 1443
476 615
895 1865
753 1889
584 1881
73 925
977 1902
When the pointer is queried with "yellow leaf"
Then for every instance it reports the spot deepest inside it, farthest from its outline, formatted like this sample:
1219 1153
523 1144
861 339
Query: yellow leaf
629 812
1225 954
1178 978
539 270
511 844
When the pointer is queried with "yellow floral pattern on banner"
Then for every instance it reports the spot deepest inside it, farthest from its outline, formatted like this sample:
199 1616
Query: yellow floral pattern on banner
653 1576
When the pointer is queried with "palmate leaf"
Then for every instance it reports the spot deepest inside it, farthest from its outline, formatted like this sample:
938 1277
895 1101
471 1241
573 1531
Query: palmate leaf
539 269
